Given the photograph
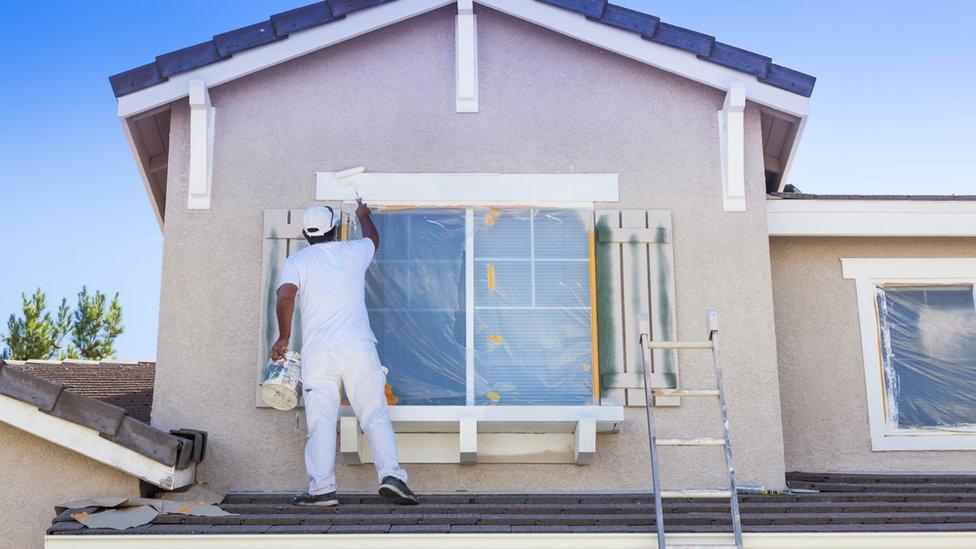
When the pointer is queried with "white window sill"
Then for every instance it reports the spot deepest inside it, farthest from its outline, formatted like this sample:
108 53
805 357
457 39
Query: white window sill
487 434
915 442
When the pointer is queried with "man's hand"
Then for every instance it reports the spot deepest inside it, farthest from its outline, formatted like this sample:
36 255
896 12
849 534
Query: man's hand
278 351
362 209
369 230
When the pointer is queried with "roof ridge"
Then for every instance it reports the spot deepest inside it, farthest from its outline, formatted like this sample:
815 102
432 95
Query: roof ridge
277 27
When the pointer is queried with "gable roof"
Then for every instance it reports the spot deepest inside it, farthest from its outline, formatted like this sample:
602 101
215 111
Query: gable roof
145 94
279 26
96 428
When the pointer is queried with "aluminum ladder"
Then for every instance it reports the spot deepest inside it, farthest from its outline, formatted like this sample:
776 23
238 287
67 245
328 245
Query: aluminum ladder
648 345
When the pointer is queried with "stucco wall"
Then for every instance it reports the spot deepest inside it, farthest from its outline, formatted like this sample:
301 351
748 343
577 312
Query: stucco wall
36 475
386 101
825 416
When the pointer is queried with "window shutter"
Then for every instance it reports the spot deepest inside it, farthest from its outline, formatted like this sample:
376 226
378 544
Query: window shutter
282 237
635 277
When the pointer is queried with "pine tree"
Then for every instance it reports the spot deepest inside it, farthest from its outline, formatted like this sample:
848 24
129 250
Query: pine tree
36 335
95 327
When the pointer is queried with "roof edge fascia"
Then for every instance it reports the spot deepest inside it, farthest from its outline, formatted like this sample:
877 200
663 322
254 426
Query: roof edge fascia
755 540
872 218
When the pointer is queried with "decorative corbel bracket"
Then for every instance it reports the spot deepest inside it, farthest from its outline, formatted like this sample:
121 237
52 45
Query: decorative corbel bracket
201 147
466 58
731 124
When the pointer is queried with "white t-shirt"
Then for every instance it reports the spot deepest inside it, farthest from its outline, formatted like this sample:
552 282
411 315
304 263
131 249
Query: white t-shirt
331 280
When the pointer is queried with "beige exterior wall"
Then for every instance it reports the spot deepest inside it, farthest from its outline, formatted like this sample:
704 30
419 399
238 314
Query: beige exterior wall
36 475
821 371
386 101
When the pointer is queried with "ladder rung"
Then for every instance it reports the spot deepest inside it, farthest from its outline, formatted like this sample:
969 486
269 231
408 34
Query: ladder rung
696 494
723 546
679 344
685 392
690 442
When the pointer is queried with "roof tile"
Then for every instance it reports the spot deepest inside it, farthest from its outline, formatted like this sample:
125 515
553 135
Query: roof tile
343 7
245 38
628 19
27 388
152 443
302 18
95 414
682 38
135 79
187 59
589 8
789 80
739 59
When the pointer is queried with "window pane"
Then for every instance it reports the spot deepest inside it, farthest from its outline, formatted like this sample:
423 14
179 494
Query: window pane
558 234
415 299
503 283
533 343
562 284
928 337
509 230
533 357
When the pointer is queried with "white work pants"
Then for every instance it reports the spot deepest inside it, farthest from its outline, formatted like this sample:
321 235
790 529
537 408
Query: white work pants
355 366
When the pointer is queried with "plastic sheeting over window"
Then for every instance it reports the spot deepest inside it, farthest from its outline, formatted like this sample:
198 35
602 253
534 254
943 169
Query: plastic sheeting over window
530 305
928 350
533 343
416 303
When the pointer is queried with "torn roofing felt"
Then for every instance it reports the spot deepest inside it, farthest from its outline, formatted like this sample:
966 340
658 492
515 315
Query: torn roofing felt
177 449
279 26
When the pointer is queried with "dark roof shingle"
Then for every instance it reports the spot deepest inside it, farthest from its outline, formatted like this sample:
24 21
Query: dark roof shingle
837 503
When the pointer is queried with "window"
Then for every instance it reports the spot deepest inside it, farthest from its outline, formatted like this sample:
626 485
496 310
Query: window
918 337
415 299
483 306
928 352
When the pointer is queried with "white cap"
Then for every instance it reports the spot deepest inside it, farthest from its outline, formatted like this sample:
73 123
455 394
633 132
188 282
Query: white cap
319 220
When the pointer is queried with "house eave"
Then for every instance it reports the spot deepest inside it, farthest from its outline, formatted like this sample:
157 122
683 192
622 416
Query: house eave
871 218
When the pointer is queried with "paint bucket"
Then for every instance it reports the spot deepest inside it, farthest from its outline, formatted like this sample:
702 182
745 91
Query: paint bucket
279 388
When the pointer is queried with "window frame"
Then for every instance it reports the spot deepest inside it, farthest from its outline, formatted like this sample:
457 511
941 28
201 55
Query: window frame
469 281
868 274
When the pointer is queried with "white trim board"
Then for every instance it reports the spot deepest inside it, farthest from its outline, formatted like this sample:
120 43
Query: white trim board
88 442
752 540
565 22
465 189
918 218
867 274
487 434
500 419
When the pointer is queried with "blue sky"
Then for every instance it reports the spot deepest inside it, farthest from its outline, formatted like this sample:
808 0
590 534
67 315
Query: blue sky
892 113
